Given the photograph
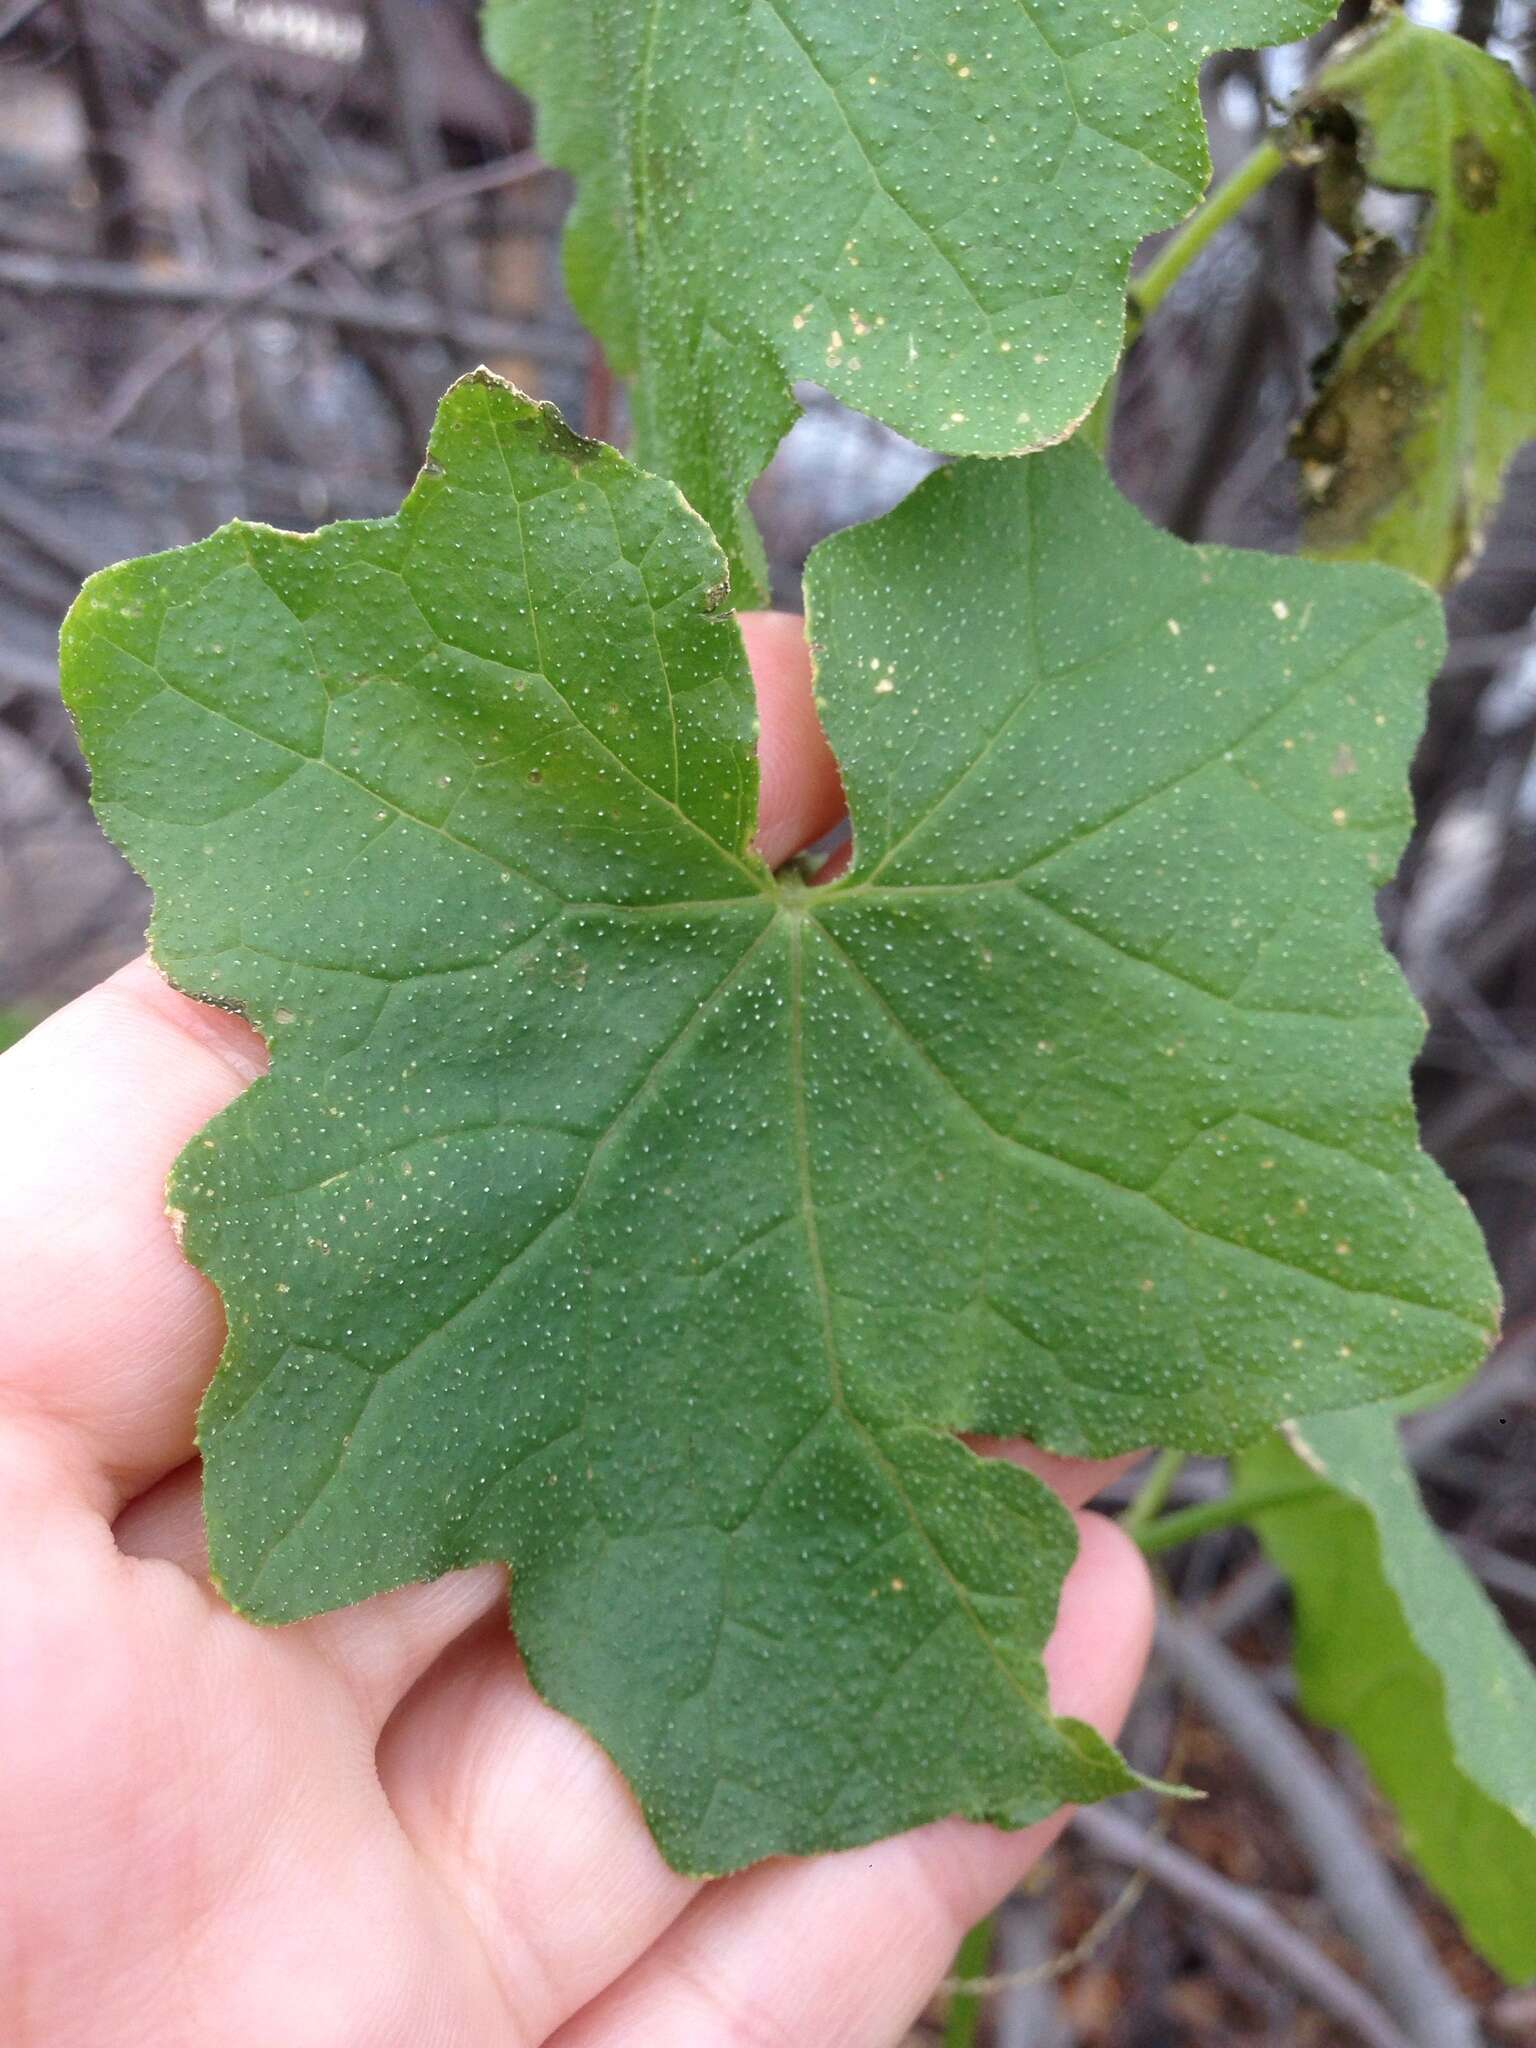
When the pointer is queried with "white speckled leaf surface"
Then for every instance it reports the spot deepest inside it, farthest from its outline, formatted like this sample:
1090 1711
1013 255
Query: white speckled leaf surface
622 1211
927 207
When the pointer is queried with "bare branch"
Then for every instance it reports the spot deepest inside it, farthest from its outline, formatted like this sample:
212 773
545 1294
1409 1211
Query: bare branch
47 536
1244 1914
26 672
229 293
1350 1872
450 190
1507 1382
18 16
365 491
1500 1573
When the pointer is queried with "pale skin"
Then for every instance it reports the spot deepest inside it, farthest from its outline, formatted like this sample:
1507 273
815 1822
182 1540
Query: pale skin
365 1831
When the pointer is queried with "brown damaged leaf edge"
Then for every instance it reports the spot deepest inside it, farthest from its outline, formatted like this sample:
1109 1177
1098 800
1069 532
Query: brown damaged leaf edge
1423 396
1350 443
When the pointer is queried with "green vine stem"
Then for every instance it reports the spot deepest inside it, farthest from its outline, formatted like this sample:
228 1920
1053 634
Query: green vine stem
1166 1532
1257 170
1152 1494
965 2006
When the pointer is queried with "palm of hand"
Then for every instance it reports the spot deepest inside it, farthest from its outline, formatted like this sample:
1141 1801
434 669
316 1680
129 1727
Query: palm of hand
363 1831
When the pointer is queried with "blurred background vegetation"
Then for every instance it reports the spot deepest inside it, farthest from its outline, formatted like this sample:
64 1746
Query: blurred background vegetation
245 244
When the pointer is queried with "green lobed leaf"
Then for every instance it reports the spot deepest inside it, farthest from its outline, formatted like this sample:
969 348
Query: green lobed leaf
620 1210
1399 1647
1430 391
14 1026
928 208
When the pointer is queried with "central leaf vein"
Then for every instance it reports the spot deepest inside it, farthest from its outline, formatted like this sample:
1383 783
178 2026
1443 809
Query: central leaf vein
823 1292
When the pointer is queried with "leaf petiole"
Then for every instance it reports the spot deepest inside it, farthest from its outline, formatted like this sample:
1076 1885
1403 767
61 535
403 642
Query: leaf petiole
965 2006
1153 1492
1167 1532
1152 286
1147 291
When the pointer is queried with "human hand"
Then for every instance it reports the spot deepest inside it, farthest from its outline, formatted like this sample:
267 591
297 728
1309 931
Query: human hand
365 1830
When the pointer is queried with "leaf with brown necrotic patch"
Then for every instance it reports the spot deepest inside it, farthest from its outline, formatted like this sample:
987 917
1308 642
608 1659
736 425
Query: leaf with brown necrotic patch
1429 390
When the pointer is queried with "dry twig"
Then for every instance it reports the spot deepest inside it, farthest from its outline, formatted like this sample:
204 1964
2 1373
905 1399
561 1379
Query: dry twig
157 363
1350 1873
1243 1913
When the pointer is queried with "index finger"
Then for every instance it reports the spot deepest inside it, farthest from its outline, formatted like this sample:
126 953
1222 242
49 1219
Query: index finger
107 1335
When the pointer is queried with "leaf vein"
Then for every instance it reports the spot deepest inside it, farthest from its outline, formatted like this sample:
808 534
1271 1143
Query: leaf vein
1115 1187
